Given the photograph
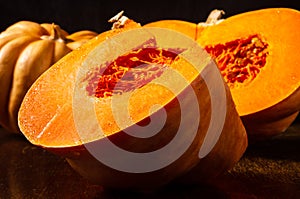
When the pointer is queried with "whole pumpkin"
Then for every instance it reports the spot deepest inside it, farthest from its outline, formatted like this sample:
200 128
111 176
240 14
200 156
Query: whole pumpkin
27 49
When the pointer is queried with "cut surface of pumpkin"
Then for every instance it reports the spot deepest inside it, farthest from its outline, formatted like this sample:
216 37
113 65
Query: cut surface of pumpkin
132 105
257 55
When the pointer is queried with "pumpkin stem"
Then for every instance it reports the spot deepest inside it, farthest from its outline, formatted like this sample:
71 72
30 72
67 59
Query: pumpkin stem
118 20
213 18
56 34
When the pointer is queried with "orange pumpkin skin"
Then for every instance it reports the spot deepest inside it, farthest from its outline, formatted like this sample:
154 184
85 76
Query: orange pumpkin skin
58 132
27 49
187 28
213 164
272 119
267 99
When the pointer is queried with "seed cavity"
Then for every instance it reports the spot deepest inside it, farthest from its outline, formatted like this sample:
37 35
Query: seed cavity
130 71
241 60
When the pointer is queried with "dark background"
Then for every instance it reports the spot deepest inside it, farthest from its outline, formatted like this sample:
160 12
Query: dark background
74 15
268 170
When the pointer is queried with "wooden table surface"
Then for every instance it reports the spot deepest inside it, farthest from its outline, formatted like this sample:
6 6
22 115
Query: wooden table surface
269 169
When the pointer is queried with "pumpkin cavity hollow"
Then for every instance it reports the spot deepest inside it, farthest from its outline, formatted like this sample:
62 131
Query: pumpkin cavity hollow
129 71
240 60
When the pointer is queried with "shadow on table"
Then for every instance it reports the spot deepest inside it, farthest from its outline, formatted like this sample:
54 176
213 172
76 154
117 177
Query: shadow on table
267 168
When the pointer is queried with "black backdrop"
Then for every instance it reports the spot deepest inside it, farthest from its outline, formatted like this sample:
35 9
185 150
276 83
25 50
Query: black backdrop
74 15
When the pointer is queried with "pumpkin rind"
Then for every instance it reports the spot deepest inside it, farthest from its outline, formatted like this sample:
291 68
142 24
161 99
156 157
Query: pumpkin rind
273 94
184 27
215 163
55 126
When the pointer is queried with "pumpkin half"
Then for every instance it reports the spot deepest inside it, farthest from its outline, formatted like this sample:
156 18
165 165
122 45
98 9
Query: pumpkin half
27 49
258 63
257 55
135 108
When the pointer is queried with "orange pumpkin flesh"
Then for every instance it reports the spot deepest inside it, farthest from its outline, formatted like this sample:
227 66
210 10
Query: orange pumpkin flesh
242 50
257 55
213 164
64 108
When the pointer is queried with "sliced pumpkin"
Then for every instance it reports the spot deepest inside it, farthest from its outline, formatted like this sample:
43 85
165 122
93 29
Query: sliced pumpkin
135 108
257 54
251 46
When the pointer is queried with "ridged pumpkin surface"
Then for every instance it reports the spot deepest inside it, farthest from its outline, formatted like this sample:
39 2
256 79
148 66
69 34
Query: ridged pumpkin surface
27 49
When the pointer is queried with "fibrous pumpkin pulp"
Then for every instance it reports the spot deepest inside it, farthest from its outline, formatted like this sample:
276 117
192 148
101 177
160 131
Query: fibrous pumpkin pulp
135 108
27 49
257 54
